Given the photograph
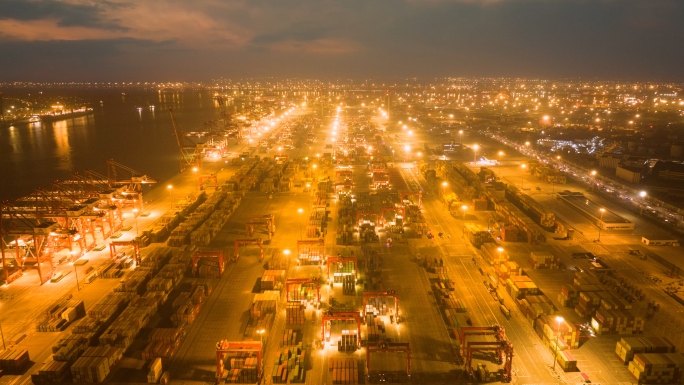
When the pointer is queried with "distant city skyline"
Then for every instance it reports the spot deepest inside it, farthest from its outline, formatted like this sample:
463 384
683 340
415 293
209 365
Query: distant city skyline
172 40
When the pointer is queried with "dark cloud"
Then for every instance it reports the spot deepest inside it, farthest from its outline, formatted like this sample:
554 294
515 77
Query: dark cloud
355 38
67 15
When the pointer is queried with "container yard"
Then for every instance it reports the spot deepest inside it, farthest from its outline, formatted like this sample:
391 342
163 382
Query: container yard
313 261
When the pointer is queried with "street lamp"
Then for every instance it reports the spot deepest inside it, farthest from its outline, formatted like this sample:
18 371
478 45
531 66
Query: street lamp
593 178
475 147
522 179
444 184
300 211
464 207
261 335
602 210
555 351
460 133
642 194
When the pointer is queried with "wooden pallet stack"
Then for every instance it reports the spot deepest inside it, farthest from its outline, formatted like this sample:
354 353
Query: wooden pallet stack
295 313
657 368
344 371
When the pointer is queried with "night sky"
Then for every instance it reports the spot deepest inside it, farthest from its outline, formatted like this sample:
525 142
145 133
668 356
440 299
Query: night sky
196 40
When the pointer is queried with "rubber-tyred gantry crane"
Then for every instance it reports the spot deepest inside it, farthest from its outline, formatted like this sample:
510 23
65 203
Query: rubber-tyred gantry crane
190 152
255 241
419 194
341 158
314 243
133 243
266 221
504 354
207 254
343 185
345 173
328 317
303 282
208 178
382 294
225 347
388 347
341 259
381 179
385 209
378 167
360 214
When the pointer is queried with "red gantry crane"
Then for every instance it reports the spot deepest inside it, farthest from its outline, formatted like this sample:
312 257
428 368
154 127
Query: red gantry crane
385 209
419 194
340 259
207 254
502 346
266 221
304 282
330 316
256 241
382 294
314 244
224 347
388 347
360 214
133 243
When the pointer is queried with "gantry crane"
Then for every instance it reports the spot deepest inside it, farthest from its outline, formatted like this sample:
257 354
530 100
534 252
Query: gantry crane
382 294
304 282
379 179
360 214
316 243
35 231
341 259
385 209
210 178
225 347
328 317
343 185
133 243
256 241
345 173
207 254
340 158
388 347
504 354
260 220
190 152
419 194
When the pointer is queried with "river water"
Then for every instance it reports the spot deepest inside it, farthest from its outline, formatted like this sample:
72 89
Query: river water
35 154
